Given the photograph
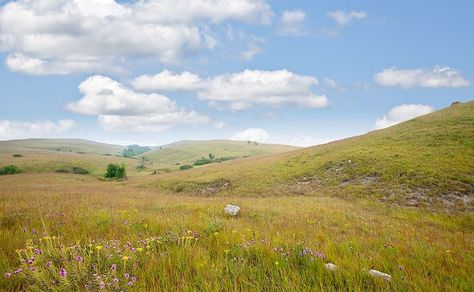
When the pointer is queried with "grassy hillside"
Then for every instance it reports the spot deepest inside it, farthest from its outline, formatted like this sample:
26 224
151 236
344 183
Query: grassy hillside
427 161
187 152
61 145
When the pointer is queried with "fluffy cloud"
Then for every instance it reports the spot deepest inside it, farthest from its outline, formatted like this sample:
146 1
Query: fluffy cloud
343 18
251 134
254 47
291 23
168 81
120 109
66 36
19 129
242 90
402 113
408 78
103 95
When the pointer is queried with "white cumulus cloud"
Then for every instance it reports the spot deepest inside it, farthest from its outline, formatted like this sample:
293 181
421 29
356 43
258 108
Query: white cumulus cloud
242 90
292 23
251 134
423 77
343 18
66 36
120 109
168 81
20 129
402 113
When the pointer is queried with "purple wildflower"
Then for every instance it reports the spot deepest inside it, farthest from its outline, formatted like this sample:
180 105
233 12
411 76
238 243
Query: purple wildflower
24 229
102 285
134 279
113 267
18 271
32 269
7 275
48 264
38 251
126 275
130 283
79 258
63 272
115 280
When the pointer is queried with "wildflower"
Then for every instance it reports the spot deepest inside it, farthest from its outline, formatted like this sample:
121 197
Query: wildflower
48 264
32 269
130 284
134 279
115 280
99 247
139 249
102 285
125 258
126 275
18 271
216 233
277 263
38 251
113 267
79 258
63 272
7 275
24 229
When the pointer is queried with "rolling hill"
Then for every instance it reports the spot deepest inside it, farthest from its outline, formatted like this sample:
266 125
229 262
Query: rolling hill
187 152
52 155
427 161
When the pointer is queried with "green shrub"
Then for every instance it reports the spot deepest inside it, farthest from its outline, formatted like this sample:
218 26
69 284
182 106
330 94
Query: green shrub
16 155
74 169
9 169
185 167
115 171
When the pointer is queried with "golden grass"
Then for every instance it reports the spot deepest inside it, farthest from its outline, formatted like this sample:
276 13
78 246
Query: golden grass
421 250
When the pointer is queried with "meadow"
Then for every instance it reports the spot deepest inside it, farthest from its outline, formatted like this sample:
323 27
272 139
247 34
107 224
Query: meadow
170 242
397 200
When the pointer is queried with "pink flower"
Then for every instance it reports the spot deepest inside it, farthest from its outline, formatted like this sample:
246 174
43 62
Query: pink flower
63 272
48 264
7 275
113 267
102 285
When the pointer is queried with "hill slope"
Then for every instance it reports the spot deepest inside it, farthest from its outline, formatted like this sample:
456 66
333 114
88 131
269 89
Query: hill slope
61 145
187 152
425 161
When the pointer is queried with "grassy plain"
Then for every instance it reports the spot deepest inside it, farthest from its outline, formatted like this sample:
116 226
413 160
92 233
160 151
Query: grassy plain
397 200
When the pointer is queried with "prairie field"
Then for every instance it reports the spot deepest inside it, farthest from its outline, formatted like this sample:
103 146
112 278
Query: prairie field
187 243
399 201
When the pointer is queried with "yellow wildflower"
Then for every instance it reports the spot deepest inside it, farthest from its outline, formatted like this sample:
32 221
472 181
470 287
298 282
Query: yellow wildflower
125 258
139 249
99 247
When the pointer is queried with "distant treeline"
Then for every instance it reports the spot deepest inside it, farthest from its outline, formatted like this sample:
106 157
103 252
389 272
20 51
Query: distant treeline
134 150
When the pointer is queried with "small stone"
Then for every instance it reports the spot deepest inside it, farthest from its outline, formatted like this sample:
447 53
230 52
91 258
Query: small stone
331 266
232 210
378 274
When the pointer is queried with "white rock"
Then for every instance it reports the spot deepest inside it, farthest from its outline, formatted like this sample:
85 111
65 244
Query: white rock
331 266
378 274
232 210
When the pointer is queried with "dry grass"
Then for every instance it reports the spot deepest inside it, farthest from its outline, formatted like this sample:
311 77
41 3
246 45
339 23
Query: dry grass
421 250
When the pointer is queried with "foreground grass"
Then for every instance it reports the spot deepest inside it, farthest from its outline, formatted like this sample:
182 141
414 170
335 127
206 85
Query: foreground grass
188 243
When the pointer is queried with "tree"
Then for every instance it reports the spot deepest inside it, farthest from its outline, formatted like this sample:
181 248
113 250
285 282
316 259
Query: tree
115 171
211 156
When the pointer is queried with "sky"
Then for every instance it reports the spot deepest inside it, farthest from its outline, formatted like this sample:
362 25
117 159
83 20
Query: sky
296 72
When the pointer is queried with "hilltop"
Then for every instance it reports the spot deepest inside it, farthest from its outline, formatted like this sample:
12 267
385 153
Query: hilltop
51 155
188 152
427 161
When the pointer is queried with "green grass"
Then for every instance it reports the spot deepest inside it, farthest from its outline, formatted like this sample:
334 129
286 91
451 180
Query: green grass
427 161
344 200
188 152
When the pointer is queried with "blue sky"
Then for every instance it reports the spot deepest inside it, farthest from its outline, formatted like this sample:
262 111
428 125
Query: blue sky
295 72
